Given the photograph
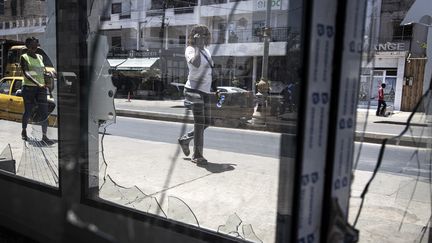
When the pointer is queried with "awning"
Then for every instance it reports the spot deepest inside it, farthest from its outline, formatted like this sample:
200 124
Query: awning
132 64
247 49
420 12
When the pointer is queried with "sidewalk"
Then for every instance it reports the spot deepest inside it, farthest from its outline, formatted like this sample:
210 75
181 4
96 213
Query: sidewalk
370 128
155 177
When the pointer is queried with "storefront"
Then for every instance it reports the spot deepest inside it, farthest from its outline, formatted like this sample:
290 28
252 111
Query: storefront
389 68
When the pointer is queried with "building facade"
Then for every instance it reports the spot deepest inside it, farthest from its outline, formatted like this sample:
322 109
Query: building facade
398 49
237 38
151 29
19 19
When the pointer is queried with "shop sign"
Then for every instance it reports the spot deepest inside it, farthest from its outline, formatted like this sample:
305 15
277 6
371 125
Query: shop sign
261 5
390 46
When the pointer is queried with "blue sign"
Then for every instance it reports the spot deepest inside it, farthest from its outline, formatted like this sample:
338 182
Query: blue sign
320 29
305 180
330 31
315 98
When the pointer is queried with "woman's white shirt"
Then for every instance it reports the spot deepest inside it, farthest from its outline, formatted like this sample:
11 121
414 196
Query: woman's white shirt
199 77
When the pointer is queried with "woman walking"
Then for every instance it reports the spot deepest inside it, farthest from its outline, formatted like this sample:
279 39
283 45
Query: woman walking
197 90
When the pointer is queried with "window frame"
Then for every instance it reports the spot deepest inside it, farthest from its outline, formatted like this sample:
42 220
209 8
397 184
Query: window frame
116 8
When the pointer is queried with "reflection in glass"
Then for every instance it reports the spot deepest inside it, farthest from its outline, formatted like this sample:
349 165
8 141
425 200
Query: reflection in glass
36 158
136 153
231 226
180 211
7 163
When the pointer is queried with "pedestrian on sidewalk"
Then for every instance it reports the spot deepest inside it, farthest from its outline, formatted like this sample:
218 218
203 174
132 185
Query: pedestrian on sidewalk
34 89
197 90
382 105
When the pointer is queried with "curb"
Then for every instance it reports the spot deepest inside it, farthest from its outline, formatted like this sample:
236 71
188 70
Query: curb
155 116
410 141
421 142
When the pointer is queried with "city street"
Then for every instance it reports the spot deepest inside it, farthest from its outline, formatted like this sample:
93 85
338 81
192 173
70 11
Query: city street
241 178
397 159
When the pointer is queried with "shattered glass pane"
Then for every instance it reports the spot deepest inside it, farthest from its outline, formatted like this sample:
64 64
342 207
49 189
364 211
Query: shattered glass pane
249 233
139 161
116 193
150 204
39 161
180 211
7 163
130 197
231 226
395 205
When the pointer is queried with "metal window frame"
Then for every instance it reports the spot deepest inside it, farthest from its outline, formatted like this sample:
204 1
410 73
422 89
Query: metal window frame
74 192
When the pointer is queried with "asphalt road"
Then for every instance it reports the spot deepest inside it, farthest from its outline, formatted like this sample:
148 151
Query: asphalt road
397 159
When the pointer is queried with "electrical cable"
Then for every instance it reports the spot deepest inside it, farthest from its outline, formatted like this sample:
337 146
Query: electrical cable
381 153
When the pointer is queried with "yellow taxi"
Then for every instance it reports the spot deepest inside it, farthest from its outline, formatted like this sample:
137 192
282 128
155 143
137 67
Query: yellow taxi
12 103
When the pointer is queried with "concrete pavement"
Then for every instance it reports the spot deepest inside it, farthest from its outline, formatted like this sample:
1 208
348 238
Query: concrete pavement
157 178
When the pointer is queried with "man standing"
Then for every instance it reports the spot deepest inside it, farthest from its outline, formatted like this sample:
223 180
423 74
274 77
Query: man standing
381 102
34 89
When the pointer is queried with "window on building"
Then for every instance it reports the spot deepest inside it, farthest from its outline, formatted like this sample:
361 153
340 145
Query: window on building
116 42
210 2
182 39
116 8
106 15
14 7
401 32
1 7
182 4
157 4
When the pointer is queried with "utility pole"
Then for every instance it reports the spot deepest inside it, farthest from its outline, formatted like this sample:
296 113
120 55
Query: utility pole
263 84
267 35
162 53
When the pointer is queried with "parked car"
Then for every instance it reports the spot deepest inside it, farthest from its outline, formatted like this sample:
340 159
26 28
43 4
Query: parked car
175 90
236 109
12 103
231 89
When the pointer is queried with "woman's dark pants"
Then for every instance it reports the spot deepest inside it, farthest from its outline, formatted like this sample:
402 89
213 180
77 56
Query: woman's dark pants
34 96
200 108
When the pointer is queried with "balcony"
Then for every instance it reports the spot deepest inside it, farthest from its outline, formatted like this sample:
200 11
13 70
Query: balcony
126 16
280 34
170 43
211 2
154 12
23 26
183 10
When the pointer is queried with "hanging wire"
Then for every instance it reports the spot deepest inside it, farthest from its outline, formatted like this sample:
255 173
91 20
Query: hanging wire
382 149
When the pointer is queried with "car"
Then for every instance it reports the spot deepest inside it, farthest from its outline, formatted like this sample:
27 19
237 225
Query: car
12 102
231 89
236 109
